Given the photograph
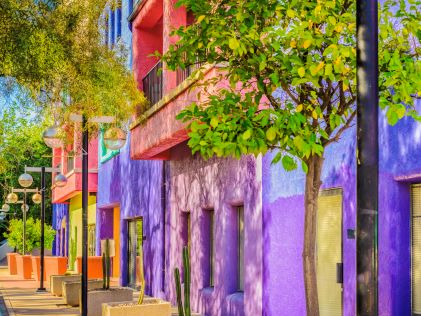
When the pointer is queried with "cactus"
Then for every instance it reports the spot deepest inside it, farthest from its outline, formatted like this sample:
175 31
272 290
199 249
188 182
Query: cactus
183 310
141 276
73 251
106 266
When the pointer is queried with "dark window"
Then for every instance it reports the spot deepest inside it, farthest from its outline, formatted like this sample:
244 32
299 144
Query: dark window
112 28
240 249
211 248
119 19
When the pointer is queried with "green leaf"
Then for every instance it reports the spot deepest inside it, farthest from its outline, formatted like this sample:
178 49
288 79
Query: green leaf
214 122
289 163
233 43
291 13
247 134
271 134
200 18
301 72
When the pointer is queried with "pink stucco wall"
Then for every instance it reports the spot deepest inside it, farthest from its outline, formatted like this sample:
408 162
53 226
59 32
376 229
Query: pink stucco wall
74 178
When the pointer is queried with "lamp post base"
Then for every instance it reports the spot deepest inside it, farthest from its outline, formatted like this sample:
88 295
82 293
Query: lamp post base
41 290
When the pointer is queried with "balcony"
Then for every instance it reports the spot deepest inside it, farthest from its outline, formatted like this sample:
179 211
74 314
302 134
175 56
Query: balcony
152 85
157 130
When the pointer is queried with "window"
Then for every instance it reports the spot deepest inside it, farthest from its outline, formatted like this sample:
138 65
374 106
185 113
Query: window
211 248
119 18
416 248
240 249
70 163
112 28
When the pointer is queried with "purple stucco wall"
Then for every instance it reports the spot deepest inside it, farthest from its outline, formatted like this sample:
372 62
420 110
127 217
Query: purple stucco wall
220 186
135 187
60 211
283 215
283 222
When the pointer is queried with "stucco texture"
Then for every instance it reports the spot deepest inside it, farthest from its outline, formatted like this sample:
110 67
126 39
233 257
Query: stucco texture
220 185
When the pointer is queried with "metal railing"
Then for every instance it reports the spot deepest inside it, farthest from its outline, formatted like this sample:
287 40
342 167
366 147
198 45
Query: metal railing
152 85
183 74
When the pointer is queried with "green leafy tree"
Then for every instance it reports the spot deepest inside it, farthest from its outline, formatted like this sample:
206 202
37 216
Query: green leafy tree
21 144
33 235
287 83
55 49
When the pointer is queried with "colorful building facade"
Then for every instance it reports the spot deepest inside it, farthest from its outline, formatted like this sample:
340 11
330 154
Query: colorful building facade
243 220
67 200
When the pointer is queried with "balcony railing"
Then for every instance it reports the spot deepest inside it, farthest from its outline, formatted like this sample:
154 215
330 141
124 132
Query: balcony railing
152 85
183 74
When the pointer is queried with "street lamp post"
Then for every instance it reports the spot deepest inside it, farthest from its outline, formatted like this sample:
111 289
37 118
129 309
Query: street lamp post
115 139
62 182
368 157
25 209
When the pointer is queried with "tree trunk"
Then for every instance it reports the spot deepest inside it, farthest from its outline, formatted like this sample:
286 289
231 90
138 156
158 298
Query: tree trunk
313 183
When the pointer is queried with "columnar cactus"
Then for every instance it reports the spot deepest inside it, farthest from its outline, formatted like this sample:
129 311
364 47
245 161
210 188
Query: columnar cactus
73 250
141 276
106 266
183 310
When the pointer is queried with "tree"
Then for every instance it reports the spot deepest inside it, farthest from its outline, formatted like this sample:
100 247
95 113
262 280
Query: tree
33 235
287 83
55 49
21 145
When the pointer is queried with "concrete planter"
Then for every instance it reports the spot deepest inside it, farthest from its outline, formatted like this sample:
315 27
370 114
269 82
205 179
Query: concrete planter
99 296
11 263
150 307
94 267
72 290
55 266
56 282
36 267
24 266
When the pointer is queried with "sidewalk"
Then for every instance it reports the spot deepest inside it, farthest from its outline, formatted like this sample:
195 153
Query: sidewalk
20 298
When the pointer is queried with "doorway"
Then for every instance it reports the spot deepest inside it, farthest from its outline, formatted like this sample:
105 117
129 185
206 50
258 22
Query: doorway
329 253
416 249
135 253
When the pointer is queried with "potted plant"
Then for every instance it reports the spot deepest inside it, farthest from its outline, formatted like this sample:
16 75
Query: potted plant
149 306
49 234
11 263
107 294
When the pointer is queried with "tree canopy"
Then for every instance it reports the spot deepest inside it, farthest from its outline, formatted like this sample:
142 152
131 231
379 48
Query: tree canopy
55 48
287 82
291 66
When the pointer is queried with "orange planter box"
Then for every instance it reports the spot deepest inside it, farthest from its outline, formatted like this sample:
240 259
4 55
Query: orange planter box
36 267
55 266
94 267
11 263
24 266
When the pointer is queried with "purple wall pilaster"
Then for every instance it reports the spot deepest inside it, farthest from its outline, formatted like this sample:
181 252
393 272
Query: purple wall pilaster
60 212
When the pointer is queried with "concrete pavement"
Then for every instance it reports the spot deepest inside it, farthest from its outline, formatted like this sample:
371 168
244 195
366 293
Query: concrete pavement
20 298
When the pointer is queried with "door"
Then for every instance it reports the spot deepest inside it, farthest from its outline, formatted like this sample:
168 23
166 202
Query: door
329 252
135 253
416 249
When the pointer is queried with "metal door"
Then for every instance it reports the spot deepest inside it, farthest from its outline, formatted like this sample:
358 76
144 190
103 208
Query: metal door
329 253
